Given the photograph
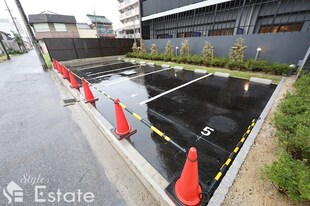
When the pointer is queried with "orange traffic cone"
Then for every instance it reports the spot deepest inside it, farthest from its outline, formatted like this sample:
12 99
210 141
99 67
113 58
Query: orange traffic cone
122 126
57 65
65 73
187 188
73 81
89 97
59 68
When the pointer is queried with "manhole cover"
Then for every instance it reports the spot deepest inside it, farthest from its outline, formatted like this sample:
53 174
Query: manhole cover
223 124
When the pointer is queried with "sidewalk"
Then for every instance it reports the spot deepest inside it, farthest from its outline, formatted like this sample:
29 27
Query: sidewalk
40 140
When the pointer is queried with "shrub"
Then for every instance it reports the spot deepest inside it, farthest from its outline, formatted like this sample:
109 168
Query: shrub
291 172
280 68
176 59
184 51
235 65
291 177
154 50
237 50
134 47
169 49
219 62
142 47
145 56
207 52
257 65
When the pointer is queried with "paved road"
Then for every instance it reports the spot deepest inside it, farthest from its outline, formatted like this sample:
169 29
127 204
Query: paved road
40 144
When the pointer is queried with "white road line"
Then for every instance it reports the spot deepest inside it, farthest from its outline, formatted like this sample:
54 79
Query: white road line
104 72
138 76
176 88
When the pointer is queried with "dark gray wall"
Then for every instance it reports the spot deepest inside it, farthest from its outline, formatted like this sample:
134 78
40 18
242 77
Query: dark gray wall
155 6
63 49
276 47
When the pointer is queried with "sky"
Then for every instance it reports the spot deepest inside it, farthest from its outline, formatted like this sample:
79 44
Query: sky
77 8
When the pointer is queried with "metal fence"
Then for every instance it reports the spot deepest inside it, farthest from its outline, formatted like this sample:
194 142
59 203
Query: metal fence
63 49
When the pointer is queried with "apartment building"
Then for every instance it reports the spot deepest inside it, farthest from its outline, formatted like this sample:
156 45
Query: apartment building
102 25
130 19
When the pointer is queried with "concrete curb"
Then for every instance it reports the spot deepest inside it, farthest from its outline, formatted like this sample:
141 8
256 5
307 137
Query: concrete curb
200 71
221 74
260 80
149 176
165 66
178 68
151 64
227 181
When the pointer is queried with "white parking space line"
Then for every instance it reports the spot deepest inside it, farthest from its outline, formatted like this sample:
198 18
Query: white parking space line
174 89
138 76
99 77
101 65
104 72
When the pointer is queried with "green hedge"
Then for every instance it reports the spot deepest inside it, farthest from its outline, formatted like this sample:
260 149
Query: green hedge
291 172
248 65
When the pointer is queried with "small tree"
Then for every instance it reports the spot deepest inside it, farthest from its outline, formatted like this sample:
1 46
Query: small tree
154 50
237 50
208 51
169 49
135 47
142 47
18 40
184 48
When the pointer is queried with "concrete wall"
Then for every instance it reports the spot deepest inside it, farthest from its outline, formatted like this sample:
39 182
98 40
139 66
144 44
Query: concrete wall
276 47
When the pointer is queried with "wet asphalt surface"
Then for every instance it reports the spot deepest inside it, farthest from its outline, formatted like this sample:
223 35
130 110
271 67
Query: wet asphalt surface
40 143
227 105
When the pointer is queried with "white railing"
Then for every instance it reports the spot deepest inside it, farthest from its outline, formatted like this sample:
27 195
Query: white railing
131 23
129 13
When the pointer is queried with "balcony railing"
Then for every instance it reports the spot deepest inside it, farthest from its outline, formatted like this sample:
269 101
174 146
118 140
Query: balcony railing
129 13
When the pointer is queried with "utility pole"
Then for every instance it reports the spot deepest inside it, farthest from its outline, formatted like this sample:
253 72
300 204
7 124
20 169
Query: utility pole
23 45
33 38
134 31
96 24
4 49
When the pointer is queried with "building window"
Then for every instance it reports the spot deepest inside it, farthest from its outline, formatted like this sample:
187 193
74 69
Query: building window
188 34
221 32
60 27
280 28
43 27
164 36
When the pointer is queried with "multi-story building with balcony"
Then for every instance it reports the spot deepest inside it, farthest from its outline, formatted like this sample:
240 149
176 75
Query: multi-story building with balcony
102 25
130 19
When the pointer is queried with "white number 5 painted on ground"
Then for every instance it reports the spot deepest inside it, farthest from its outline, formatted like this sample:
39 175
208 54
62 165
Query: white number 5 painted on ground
207 131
